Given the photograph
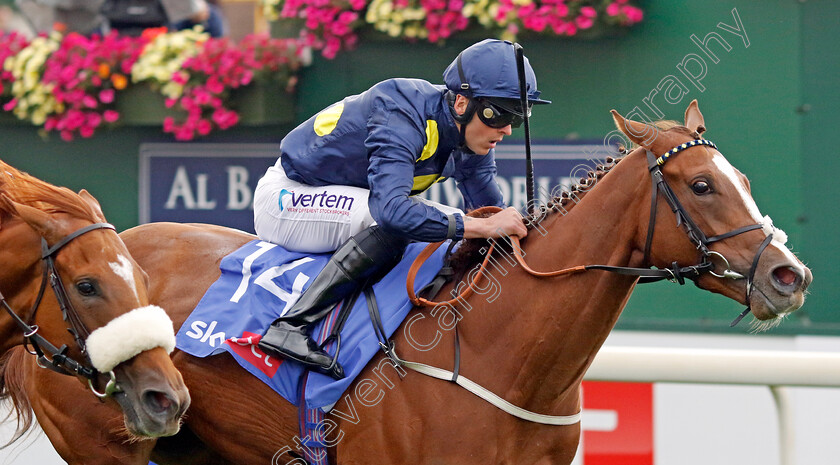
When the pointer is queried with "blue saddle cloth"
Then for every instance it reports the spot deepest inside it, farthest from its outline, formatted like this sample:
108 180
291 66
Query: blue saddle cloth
261 281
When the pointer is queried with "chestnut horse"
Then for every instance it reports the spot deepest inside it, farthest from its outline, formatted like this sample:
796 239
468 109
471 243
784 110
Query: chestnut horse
527 338
73 295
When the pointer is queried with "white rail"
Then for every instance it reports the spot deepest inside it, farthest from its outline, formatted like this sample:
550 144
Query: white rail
775 369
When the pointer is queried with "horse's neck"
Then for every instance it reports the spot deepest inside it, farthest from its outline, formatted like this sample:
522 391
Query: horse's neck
548 329
19 276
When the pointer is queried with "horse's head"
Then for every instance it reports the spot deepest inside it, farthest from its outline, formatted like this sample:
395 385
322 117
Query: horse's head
97 304
721 223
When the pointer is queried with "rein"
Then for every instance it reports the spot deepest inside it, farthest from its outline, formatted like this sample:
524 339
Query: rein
674 274
58 359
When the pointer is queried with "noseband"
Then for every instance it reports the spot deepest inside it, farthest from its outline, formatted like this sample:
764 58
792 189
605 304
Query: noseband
58 360
700 240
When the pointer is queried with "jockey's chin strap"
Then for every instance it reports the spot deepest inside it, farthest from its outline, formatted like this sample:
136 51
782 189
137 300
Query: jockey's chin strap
58 359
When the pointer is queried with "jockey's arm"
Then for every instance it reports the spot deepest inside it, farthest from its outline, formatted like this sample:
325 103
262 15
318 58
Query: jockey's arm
393 143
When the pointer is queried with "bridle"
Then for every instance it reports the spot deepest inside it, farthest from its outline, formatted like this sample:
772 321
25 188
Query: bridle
695 234
58 359
675 273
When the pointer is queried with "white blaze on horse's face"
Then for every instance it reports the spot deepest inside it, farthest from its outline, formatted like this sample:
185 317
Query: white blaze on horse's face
779 236
125 270
729 171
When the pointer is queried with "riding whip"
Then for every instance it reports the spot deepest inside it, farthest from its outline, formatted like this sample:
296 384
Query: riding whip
523 96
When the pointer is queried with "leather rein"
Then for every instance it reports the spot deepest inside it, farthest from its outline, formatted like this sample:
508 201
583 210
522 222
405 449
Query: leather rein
58 360
675 273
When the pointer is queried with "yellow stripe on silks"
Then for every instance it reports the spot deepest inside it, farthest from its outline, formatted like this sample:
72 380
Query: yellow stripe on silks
327 120
422 183
432 139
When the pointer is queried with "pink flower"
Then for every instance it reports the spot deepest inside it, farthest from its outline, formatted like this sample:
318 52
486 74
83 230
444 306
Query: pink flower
613 9
106 96
94 120
584 22
110 116
246 78
168 124
10 105
634 15
203 127
86 131
589 12
180 78
184 134
214 85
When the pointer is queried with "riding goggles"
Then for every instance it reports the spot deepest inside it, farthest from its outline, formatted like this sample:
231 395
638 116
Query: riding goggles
495 116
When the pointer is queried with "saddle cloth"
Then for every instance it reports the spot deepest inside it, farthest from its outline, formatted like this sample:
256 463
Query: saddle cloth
261 281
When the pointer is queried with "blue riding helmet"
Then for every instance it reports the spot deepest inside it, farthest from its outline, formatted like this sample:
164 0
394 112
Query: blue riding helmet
487 72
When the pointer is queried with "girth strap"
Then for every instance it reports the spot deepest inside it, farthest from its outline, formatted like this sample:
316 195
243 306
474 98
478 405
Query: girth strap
454 376
489 396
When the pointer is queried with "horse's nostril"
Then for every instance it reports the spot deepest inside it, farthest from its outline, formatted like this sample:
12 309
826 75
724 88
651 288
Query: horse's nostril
786 276
158 401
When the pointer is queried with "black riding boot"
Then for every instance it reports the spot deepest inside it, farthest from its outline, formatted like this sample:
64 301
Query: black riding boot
365 256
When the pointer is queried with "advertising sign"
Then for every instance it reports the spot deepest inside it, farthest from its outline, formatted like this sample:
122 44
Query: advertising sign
214 183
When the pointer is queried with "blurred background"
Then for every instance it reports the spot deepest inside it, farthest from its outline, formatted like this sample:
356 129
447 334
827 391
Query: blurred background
764 74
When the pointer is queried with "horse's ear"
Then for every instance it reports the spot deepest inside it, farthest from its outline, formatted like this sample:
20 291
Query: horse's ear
40 221
694 119
94 204
640 133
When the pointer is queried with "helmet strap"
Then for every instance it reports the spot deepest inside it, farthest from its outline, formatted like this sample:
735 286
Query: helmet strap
462 119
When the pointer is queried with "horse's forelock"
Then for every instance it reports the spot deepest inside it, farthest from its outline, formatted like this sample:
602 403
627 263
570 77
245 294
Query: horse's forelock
20 187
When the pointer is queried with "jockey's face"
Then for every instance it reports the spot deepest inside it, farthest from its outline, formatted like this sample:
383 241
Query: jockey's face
479 137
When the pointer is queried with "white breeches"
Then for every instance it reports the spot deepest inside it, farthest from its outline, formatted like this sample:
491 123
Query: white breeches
313 219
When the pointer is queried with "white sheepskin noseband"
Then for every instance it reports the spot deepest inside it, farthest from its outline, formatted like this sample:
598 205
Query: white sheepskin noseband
778 234
127 335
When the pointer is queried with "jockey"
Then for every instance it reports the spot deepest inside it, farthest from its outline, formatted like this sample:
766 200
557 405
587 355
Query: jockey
347 179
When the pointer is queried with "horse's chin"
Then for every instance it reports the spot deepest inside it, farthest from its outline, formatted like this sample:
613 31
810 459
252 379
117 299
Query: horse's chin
769 307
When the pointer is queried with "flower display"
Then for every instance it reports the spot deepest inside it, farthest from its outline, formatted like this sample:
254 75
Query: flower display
32 99
164 56
203 82
84 75
332 25
70 83
10 45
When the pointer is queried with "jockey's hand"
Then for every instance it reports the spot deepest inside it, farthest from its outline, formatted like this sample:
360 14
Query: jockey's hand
507 222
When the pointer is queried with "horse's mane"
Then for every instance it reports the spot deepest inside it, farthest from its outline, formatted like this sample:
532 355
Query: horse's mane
12 373
23 188
470 251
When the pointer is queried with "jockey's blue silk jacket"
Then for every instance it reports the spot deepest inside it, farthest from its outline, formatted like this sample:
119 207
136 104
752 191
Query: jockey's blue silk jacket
395 139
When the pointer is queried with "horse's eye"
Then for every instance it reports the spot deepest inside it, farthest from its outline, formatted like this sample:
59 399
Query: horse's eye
701 187
86 288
